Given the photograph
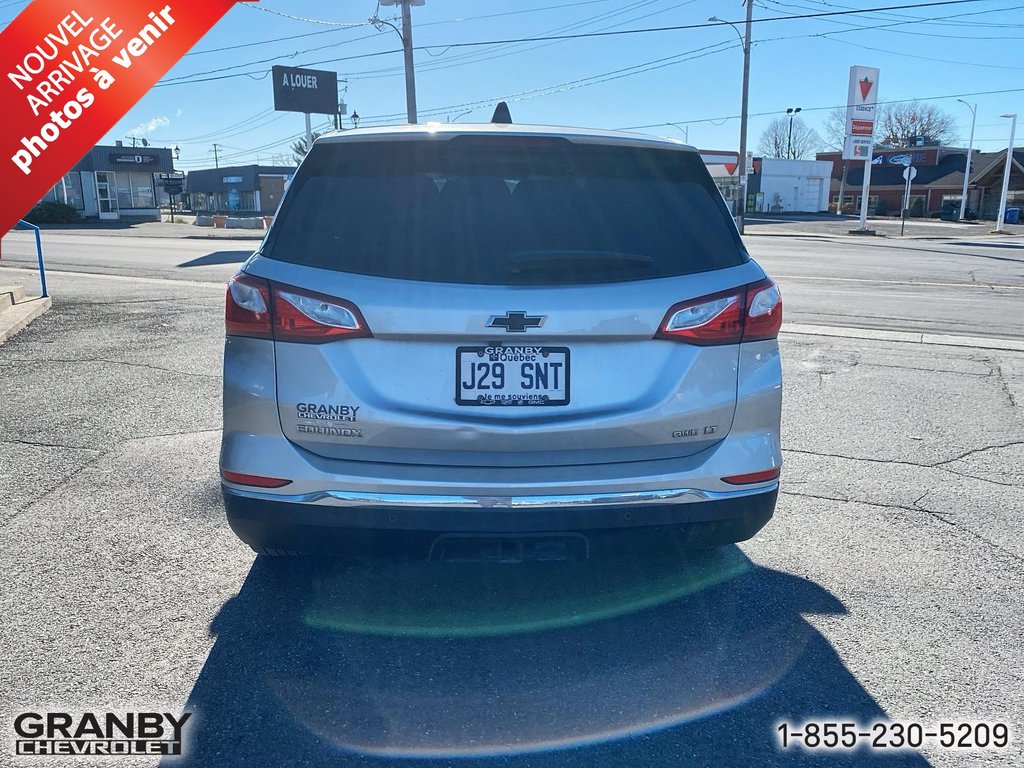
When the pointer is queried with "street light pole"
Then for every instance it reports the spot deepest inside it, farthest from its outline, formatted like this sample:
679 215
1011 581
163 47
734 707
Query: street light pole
967 168
745 41
1006 172
789 141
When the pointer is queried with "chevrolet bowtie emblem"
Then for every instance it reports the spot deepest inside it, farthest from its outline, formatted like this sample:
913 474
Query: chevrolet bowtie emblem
516 322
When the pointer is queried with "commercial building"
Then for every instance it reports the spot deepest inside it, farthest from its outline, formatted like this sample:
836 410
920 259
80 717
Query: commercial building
785 186
774 185
987 183
115 182
938 182
241 190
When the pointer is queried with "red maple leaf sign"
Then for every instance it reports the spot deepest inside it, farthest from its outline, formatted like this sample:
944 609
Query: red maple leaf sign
865 88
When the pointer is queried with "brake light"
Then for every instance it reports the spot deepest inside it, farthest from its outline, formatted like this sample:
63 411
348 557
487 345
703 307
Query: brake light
247 307
258 481
753 477
260 309
752 312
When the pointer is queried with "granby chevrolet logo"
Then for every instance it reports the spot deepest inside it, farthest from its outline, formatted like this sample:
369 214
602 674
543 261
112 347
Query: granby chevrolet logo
99 733
865 88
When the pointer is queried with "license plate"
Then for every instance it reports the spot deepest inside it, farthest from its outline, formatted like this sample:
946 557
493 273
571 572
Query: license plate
512 375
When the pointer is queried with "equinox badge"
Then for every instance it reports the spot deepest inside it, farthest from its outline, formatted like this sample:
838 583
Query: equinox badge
516 322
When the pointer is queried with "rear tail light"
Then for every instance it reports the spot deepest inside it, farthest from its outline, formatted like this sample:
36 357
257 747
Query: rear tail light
751 312
247 310
764 311
260 309
259 481
753 477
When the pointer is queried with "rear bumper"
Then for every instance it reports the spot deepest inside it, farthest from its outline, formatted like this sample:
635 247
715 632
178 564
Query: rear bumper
274 521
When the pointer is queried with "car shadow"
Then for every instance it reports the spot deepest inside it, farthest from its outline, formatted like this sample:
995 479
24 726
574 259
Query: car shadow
639 658
218 257
989 244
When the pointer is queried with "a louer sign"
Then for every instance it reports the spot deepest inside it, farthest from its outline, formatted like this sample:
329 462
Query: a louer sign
312 91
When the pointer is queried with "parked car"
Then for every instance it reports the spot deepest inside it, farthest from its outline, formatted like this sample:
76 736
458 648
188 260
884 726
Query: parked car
951 212
499 338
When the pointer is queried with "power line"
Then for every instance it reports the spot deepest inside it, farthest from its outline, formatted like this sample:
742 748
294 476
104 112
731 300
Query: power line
602 77
309 21
923 58
490 54
820 109
909 20
576 36
929 22
469 56
704 25
721 119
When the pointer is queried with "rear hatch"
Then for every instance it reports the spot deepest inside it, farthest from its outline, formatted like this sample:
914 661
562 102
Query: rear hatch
494 300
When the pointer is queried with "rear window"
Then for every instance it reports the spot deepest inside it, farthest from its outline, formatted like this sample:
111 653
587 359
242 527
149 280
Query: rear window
504 211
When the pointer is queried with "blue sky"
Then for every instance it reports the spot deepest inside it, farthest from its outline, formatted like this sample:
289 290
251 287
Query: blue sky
688 77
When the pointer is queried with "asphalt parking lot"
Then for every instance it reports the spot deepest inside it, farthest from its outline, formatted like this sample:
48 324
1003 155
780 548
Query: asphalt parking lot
887 587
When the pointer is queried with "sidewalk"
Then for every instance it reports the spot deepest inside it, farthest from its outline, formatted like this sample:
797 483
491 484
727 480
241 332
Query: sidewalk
757 224
885 226
151 229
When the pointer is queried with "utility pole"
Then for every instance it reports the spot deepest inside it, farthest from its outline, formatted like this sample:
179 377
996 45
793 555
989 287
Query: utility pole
216 159
745 42
743 116
410 72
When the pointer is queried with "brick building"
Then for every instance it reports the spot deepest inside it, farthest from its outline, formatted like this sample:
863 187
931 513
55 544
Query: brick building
939 180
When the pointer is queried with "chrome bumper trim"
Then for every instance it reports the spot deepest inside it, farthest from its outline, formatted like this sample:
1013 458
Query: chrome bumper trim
410 500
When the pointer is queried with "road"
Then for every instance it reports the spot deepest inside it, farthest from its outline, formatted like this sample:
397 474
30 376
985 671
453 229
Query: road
881 283
887 587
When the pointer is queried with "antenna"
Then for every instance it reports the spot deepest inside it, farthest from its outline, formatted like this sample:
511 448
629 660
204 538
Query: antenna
501 114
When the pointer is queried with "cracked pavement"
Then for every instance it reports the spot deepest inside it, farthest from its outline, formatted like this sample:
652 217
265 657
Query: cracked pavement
888 585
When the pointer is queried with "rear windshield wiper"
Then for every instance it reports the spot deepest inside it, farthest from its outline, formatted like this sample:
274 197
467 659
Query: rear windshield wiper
524 260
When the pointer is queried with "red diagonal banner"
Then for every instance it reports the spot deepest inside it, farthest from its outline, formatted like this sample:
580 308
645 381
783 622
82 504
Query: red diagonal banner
70 69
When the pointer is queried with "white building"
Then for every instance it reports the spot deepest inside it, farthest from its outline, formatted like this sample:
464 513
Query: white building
791 185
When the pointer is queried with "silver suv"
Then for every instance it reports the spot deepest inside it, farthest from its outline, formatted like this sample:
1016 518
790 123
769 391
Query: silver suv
499 338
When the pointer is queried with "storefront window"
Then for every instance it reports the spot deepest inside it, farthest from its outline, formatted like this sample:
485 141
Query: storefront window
143 195
68 191
236 200
135 190
123 186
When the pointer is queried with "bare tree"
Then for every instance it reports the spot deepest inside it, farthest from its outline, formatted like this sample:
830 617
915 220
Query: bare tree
776 141
899 124
299 148
834 128
896 124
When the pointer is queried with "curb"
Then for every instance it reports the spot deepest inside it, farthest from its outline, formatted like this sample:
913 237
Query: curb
15 318
908 337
